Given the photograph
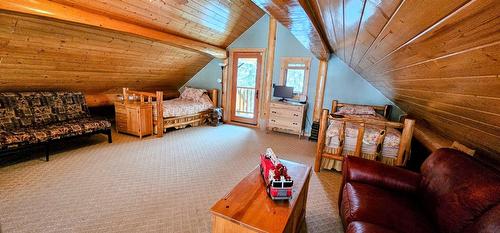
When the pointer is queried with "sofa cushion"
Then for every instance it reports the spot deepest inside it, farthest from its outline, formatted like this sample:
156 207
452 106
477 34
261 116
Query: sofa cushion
75 127
15 111
31 135
364 227
35 109
397 211
456 189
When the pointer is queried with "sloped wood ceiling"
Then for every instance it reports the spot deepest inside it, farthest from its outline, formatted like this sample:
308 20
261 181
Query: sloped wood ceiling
295 16
38 53
437 60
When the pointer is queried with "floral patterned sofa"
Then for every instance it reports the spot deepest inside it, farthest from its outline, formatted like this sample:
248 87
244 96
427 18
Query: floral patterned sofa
38 118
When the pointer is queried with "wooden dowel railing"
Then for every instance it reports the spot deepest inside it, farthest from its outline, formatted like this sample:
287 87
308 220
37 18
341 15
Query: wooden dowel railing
380 144
359 140
342 138
245 101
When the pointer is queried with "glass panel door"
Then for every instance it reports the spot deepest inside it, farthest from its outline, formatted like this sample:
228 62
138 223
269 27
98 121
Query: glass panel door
245 91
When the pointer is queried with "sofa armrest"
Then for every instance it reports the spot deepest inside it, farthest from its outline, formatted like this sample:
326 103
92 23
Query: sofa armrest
375 173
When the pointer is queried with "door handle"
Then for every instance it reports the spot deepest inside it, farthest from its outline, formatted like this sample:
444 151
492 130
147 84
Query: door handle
256 94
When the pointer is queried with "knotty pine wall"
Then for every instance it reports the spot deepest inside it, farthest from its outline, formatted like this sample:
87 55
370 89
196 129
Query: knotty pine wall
42 54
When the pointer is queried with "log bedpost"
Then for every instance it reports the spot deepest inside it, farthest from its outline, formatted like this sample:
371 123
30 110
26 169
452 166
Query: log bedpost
359 140
125 94
214 96
323 124
405 143
334 106
159 114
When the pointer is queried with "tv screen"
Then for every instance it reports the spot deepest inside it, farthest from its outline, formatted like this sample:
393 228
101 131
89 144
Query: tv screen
283 92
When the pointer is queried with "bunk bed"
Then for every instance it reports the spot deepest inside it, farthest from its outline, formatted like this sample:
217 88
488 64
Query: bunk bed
187 110
362 131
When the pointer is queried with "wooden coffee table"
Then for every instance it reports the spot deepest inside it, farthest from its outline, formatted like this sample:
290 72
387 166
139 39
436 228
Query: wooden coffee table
247 208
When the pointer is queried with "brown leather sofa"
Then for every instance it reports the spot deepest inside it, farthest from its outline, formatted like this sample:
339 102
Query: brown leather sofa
453 193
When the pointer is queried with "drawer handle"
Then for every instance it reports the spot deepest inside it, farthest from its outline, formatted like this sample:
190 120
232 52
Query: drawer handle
273 111
295 123
295 115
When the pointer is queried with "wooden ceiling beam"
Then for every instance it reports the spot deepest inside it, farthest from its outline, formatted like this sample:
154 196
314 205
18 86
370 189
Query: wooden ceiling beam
68 13
297 16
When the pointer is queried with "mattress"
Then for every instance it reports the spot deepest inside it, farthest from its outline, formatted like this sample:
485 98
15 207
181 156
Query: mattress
182 107
371 136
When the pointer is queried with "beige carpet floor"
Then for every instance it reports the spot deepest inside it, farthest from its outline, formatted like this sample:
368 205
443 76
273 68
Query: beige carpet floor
152 185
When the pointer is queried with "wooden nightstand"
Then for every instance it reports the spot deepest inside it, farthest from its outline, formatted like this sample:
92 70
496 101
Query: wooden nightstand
134 118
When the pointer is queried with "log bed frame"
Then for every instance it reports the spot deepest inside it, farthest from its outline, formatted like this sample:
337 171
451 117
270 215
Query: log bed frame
404 145
159 126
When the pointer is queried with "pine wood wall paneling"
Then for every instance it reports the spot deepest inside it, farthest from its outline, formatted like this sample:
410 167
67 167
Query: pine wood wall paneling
438 60
71 14
407 24
471 26
353 13
486 143
375 18
330 14
43 54
298 17
214 22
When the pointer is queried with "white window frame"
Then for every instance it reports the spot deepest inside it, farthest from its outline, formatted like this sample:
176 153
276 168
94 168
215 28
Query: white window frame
285 61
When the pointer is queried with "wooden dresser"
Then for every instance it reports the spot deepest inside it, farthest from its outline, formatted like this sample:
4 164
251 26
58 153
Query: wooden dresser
134 118
288 117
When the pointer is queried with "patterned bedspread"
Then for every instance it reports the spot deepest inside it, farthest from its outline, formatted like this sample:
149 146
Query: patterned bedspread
181 107
372 133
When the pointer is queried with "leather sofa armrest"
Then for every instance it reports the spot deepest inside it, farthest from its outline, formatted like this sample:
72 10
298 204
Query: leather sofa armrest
375 173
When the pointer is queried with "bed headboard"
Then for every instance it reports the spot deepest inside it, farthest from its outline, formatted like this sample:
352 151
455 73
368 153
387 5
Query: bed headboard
385 110
143 96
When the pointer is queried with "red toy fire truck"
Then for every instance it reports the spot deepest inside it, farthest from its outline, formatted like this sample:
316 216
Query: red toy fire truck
278 182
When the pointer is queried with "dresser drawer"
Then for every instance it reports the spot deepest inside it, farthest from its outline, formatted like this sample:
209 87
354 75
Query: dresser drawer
119 108
285 123
121 121
285 113
286 106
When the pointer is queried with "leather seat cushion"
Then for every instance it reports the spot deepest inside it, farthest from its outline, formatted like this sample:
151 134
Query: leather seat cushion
392 210
364 227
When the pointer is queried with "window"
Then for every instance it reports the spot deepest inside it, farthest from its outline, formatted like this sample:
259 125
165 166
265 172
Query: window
295 73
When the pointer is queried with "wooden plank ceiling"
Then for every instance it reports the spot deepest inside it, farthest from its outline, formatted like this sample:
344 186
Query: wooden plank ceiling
437 60
296 15
39 53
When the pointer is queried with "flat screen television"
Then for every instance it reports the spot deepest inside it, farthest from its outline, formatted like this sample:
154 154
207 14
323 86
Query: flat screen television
283 92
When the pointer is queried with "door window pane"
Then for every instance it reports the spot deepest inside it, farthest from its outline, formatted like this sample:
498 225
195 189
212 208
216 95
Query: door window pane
245 87
247 72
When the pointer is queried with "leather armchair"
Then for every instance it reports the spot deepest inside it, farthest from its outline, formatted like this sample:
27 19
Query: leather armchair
453 193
